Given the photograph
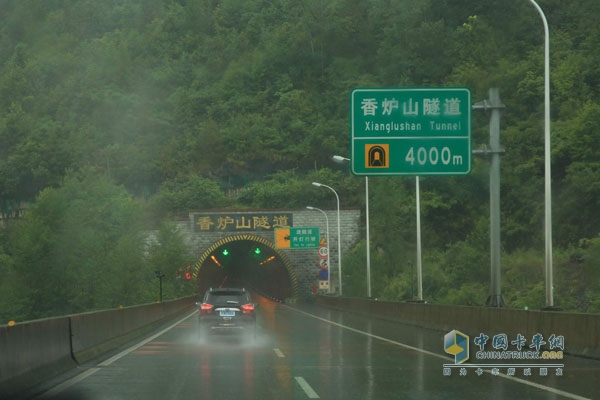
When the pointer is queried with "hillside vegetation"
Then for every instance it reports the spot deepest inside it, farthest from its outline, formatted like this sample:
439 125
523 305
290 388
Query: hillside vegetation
117 115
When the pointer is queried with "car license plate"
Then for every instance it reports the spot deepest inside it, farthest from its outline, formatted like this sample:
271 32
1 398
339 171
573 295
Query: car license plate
227 313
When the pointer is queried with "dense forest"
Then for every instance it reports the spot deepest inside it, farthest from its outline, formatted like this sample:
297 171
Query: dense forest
118 115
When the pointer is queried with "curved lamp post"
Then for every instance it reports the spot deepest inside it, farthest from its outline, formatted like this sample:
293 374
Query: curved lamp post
547 169
327 238
339 231
341 159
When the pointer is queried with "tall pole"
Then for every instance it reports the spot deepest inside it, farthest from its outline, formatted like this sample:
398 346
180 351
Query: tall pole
340 159
547 165
419 266
327 238
495 299
339 232
368 239
159 275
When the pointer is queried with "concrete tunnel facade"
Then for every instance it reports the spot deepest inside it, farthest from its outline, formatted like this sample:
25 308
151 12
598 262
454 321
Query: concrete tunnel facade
277 273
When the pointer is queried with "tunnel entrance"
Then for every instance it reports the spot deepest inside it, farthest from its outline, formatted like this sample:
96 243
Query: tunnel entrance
248 261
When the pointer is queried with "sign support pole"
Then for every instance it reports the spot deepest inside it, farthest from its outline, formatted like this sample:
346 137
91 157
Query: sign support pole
419 264
495 299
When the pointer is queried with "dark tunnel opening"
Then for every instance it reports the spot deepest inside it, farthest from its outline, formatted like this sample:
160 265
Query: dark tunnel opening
246 261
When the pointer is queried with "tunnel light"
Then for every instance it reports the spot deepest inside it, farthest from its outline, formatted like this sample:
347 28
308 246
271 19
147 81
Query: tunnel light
267 260
212 257
257 251
225 252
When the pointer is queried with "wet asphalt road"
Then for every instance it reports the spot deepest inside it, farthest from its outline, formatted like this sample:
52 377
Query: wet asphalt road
305 352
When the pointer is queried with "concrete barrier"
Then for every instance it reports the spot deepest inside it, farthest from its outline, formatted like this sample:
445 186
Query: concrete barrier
580 331
33 352
39 349
95 333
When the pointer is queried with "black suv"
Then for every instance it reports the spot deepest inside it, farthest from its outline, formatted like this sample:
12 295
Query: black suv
227 310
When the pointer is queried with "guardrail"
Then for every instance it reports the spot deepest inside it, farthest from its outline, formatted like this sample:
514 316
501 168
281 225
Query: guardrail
34 351
581 332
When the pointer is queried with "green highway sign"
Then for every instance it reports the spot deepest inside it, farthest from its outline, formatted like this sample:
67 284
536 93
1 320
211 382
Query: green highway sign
306 237
411 131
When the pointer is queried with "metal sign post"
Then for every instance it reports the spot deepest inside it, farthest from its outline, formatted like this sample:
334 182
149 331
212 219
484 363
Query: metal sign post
495 106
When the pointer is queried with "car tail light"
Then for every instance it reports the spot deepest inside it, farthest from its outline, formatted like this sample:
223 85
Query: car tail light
247 308
205 307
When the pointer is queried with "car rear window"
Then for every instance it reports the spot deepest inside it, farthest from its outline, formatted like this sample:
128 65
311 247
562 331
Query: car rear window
227 297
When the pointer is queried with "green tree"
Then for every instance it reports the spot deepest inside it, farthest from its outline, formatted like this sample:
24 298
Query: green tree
168 253
176 102
74 245
186 193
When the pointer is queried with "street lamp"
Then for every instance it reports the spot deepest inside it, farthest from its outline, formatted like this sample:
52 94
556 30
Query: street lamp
327 238
547 169
339 231
340 159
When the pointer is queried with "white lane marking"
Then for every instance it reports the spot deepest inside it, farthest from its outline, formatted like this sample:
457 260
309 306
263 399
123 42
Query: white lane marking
279 353
406 346
306 387
65 385
76 379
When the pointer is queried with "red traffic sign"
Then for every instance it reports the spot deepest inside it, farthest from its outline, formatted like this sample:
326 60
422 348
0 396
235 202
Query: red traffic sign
323 252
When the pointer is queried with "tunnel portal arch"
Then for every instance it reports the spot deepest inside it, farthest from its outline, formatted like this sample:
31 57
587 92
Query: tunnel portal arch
250 261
